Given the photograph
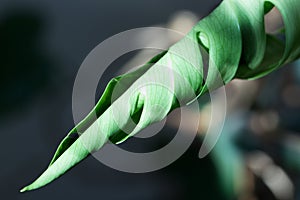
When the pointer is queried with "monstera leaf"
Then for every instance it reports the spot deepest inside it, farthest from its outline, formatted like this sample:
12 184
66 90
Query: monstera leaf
236 42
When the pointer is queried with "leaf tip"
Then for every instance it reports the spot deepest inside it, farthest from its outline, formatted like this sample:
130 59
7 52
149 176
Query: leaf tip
24 189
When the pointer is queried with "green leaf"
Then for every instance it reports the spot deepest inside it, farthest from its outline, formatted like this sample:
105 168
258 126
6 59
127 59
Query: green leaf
234 37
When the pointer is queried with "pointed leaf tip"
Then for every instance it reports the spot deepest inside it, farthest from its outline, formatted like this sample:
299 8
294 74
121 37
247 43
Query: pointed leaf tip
24 189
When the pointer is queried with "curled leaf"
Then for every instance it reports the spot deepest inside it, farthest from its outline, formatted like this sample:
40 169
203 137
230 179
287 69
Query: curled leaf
234 37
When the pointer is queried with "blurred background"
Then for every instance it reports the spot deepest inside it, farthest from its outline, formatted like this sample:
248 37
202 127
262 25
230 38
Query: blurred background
43 43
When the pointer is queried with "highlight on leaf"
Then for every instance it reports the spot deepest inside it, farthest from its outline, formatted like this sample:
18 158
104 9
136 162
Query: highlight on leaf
238 46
